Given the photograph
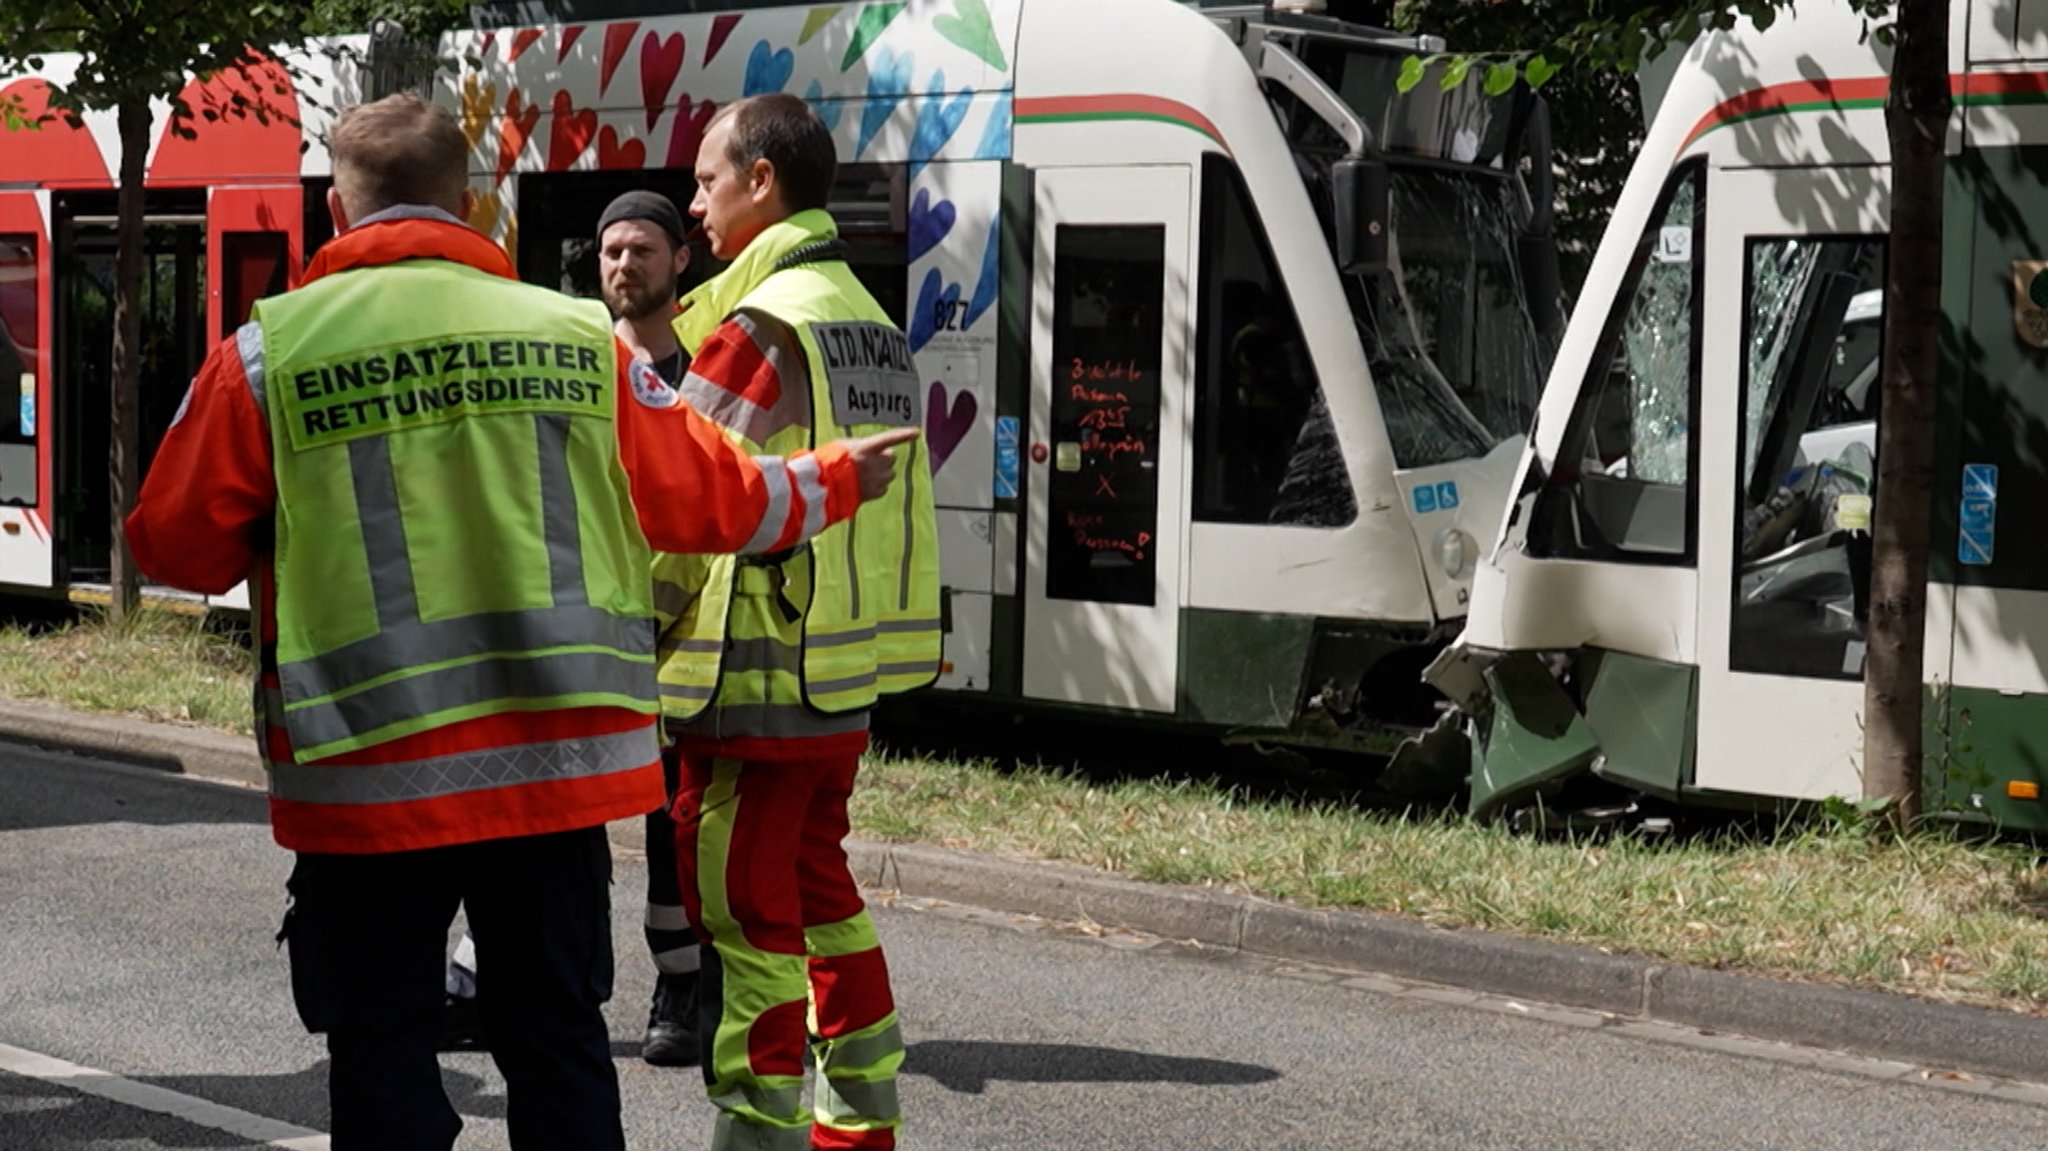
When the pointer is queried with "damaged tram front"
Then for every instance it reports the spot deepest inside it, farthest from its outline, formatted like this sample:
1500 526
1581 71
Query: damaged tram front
1675 607
1346 298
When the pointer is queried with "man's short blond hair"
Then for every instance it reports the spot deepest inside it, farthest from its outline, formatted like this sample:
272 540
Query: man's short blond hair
398 150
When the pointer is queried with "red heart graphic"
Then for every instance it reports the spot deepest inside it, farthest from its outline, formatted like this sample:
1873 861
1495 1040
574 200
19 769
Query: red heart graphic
616 38
688 131
721 27
945 427
613 154
660 59
570 133
521 41
570 35
514 130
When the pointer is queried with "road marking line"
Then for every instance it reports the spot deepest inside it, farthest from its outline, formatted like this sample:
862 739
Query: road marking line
190 1108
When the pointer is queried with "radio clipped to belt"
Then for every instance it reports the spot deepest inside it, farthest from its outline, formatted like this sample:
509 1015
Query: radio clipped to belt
773 580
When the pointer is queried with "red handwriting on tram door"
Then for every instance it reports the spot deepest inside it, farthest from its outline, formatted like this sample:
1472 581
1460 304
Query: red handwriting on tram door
1092 533
1103 418
1111 427
1109 449
1080 369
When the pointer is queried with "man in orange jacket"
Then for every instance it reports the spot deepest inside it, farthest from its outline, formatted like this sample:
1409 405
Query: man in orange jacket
384 452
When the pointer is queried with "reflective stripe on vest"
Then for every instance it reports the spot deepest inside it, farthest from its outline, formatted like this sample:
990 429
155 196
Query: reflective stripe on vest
464 771
454 537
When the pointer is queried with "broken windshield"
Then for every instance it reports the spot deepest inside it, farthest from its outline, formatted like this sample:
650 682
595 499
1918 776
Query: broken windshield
1457 357
1454 351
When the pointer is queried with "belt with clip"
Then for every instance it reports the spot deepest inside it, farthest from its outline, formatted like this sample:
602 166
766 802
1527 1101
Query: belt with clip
773 561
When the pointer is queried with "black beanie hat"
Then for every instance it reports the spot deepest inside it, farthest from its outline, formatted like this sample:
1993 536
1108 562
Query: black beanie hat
652 207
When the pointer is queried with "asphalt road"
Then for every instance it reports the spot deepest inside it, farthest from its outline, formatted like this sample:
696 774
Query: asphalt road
143 1005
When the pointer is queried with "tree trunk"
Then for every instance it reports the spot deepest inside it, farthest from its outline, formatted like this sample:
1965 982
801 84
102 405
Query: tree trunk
123 448
1916 118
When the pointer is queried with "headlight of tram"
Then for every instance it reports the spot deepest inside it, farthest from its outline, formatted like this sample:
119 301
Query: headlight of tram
1455 551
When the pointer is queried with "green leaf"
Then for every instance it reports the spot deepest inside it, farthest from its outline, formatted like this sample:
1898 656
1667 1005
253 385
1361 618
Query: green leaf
1538 70
1411 74
1454 75
1500 78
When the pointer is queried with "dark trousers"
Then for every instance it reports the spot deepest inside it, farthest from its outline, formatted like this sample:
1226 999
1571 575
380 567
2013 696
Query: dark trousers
368 937
669 938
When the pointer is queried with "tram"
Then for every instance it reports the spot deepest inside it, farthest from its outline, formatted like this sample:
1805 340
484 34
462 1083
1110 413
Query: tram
1673 606
1229 347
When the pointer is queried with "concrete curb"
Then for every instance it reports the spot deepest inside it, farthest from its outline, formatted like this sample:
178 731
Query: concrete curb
194 751
1870 1023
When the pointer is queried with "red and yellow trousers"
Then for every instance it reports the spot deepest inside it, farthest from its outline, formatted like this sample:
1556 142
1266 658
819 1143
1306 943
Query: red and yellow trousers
791 959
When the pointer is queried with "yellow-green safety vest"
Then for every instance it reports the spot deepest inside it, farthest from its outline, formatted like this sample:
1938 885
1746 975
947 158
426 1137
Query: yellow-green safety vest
454 536
854 614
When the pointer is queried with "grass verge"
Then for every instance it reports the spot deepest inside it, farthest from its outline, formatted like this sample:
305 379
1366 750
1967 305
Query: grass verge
162 666
1928 915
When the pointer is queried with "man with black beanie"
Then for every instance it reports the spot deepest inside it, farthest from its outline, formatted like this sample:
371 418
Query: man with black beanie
641 256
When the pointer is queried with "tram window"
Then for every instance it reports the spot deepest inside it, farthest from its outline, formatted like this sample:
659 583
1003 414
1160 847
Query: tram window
254 263
1806 472
20 313
317 226
1622 488
1266 451
1108 317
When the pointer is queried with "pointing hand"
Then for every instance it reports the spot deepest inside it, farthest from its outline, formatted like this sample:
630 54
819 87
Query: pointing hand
874 459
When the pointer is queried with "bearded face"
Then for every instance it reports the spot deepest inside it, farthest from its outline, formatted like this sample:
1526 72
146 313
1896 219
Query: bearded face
638 266
633 298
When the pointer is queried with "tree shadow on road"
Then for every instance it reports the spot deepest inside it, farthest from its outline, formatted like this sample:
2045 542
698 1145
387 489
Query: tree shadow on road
969 1067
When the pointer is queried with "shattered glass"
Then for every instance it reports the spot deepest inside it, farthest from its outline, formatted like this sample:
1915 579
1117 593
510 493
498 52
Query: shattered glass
1622 480
1456 356
1778 275
1803 567
1315 488
1656 348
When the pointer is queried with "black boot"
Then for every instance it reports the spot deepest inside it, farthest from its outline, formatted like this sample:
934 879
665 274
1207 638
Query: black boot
462 1025
672 1023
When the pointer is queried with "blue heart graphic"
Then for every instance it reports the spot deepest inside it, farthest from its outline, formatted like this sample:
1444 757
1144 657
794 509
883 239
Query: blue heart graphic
888 82
995 137
768 69
937 119
828 110
928 224
990 284
924 319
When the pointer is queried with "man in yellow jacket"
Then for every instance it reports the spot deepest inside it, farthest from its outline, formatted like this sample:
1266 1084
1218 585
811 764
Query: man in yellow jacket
768 665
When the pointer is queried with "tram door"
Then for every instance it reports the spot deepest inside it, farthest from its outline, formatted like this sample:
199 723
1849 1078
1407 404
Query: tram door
207 258
24 391
1109 426
1796 264
174 341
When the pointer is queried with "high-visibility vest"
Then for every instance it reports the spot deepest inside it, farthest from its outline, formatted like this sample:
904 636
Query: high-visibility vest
855 614
454 534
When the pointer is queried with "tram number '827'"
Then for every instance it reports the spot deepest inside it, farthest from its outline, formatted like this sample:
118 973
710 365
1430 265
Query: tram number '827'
949 315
